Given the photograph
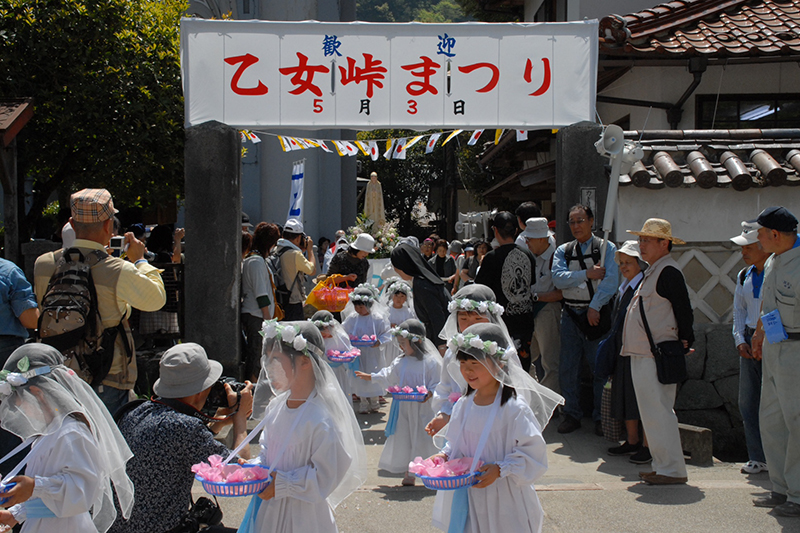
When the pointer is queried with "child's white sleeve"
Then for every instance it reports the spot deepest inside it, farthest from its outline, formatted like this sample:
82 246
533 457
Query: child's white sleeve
72 491
383 330
446 386
389 375
326 468
432 375
527 461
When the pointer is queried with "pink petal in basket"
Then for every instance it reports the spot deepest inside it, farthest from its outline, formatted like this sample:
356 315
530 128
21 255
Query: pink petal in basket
422 389
407 389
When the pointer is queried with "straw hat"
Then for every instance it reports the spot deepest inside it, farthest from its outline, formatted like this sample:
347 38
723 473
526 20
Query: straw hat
658 228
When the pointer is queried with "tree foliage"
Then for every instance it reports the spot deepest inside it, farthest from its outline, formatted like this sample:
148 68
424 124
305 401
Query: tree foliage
440 11
105 78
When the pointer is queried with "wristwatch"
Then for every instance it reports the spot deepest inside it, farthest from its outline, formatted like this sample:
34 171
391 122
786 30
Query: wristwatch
535 297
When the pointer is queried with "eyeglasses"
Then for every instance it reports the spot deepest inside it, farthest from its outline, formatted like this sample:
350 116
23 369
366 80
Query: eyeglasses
576 222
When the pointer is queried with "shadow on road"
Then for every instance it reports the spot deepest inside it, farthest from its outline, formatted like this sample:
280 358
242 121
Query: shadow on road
667 495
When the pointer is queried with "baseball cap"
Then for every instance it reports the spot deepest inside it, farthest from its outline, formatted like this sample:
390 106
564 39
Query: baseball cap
749 235
777 218
293 226
92 205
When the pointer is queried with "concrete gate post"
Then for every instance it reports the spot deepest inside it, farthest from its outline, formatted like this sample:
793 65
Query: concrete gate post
580 176
213 241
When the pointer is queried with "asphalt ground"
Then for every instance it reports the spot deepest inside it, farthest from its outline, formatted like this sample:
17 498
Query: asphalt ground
584 490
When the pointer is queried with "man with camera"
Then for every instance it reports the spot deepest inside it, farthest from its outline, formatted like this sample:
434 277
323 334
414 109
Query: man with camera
295 266
170 433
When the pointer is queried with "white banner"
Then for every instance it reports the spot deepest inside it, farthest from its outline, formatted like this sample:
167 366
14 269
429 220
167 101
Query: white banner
251 74
296 196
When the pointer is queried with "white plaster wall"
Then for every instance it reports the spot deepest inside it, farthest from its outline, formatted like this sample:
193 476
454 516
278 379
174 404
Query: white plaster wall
699 215
667 84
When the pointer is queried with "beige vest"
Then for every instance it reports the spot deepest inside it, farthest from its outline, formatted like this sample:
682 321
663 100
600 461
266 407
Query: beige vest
579 296
658 310
105 275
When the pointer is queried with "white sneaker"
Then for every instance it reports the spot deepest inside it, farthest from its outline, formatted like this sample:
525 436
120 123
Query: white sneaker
754 467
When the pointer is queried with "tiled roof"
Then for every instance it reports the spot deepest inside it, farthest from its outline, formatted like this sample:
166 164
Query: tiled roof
716 158
711 28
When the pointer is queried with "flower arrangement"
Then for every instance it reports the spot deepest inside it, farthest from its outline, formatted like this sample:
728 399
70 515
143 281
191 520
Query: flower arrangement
470 340
397 331
436 466
386 236
422 389
289 335
10 380
364 338
465 304
216 472
343 356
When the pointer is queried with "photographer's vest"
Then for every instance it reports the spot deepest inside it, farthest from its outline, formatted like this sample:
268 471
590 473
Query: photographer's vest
660 315
105 275
579 296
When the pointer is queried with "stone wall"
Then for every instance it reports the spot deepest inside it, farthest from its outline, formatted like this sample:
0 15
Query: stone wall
709 397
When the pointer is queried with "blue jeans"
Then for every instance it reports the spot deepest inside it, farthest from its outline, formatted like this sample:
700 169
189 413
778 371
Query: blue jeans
574 347
749 403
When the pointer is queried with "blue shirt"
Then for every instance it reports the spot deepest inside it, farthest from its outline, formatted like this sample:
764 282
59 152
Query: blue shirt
564 278
17 296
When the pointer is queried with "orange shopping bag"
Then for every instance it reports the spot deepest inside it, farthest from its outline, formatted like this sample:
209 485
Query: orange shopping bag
326 296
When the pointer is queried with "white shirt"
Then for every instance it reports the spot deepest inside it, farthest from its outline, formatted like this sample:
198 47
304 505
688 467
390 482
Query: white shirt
544 277
746 307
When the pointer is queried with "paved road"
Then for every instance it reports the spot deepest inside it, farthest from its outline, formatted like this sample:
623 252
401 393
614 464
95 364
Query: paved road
584 490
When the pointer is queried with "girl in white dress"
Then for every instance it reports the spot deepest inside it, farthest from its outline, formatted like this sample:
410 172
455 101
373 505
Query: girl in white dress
397 298
370 318
473 304
77 452
335 338
499 421
420 364
311 441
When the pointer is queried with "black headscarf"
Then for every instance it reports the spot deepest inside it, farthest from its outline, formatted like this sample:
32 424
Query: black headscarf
410 260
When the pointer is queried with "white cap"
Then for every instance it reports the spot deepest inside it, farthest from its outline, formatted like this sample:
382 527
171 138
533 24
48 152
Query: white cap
749 234
293 226
536 228
364 243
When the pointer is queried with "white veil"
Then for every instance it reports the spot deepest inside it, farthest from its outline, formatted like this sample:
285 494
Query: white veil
474 297
61 393
368 294
339 339
488 344
392 287
302 338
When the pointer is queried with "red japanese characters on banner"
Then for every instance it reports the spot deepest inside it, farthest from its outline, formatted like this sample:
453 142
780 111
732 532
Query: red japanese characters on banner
363 76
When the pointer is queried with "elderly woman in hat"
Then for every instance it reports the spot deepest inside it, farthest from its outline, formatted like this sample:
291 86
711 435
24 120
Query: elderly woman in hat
623 396
351 261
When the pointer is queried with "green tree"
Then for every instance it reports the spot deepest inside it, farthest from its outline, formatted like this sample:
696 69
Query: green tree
105 78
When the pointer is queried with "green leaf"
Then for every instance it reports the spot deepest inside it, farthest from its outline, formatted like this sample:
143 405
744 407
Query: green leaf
24 364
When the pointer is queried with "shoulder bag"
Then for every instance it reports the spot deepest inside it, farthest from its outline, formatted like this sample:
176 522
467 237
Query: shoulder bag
670 355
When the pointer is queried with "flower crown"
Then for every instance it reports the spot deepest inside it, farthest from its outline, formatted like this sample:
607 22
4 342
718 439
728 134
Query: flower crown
289 335
471 340
397 331
358 298
465 304
395 285
323 323
10 380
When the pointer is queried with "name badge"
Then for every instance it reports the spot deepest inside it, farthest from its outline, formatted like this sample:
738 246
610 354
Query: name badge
773 327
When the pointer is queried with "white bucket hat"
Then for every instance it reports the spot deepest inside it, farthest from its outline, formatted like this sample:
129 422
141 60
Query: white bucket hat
749 234
364 243
630 248
535 228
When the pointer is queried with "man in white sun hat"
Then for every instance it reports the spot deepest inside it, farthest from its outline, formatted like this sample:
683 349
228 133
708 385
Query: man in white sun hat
546 341
351 261
746 312
668 313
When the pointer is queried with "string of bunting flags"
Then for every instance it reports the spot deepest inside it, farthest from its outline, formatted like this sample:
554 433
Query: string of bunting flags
393 148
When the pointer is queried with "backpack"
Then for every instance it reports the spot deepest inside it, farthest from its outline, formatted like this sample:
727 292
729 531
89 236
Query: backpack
282 292
69 319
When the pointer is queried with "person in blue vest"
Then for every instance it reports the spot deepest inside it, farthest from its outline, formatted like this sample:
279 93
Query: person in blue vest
746 312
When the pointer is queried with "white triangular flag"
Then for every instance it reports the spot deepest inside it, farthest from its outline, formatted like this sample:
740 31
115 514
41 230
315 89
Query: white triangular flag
363 146
340 149
413 141
324 146
456 132
389 148
253 137
432 142
374 153
474 138
285 143
294 143
522 135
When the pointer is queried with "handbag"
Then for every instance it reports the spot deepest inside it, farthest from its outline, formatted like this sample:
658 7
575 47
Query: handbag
605 361
328 296
670 356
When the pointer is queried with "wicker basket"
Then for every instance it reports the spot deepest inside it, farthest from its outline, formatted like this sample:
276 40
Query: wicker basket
244 488
343 358
449 483
409 396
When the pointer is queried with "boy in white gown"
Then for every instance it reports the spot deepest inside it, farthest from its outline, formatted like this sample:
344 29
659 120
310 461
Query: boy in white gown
419 365
77 451
370 318
499 421
311 442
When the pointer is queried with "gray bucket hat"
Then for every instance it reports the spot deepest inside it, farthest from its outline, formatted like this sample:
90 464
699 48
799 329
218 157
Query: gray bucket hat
185 369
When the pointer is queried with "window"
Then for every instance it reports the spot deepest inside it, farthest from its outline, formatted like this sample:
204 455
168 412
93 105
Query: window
745 111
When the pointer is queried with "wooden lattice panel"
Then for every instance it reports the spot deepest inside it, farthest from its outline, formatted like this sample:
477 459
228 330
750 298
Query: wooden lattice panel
719 275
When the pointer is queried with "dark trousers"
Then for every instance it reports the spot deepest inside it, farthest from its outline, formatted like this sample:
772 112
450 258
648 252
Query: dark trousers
293 312
251 327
